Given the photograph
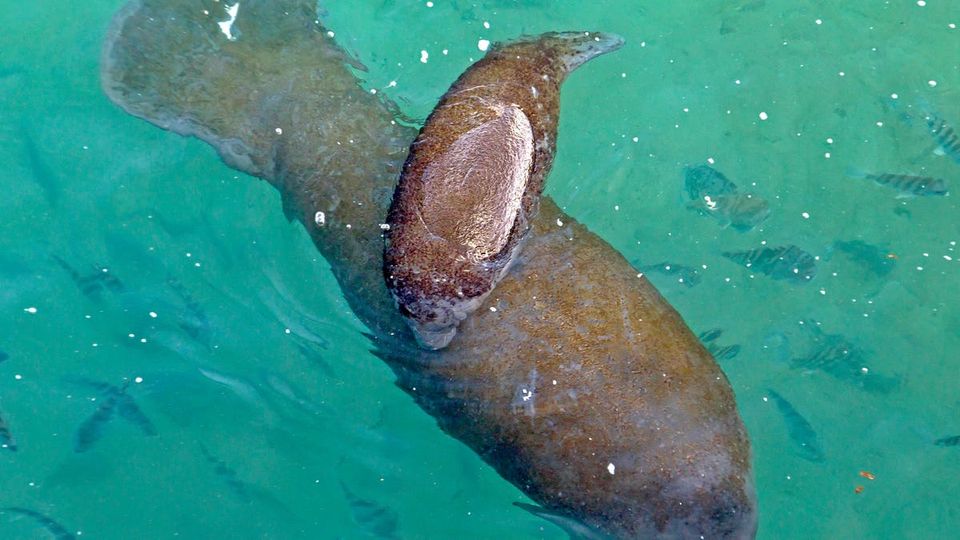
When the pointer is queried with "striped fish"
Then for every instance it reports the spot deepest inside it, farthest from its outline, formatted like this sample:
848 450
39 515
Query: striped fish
907 185
789 263
742 211
799 428
946 137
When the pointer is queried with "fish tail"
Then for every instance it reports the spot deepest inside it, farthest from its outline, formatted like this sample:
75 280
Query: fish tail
856 172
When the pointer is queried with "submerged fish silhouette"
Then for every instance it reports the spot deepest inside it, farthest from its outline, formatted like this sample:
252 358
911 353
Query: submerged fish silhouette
705 181
193 321
686 275
836 356
376 519
948 441
6 437
788 263
869 256
799 428
742 211
93 284
228 475
945 135
57 530
4 356
906 185
728 352
115 400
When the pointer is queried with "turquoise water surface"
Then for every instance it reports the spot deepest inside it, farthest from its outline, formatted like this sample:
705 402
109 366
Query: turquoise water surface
136 267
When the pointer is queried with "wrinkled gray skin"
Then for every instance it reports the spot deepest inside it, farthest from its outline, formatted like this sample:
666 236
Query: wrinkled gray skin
581 371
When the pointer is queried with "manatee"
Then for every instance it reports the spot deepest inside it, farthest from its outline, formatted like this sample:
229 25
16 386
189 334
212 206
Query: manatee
473 178
585 389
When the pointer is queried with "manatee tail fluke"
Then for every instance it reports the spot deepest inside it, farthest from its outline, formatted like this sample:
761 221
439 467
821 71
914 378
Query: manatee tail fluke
213 71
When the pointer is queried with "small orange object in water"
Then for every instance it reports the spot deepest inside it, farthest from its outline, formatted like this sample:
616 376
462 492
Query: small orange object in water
868 475
858 490
891 255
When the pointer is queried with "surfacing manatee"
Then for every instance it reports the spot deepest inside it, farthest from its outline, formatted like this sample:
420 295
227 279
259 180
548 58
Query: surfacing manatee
584 389
473 178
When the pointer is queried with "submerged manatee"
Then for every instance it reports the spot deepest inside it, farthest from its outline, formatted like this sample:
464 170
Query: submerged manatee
585 389
473 178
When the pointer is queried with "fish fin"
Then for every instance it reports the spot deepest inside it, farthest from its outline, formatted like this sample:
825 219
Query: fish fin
576 529
175 66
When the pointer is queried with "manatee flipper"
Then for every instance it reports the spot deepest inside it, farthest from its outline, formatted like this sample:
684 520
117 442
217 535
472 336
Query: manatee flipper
577 530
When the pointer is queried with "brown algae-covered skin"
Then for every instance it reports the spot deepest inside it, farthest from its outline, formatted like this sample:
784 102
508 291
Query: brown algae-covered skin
472 180
584 388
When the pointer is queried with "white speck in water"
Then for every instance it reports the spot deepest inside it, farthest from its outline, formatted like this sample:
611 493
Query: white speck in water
805 215
320 219
763 115
286 330
879 124
330 33
842 74
18 376
829 140
153 314
921 3
429 4
226 26
611 468
143 340
486 25
710 160
31 310
818 21
384 226
483 44
826 155
424 55
559 223
279 131
138 380
392 84
932 83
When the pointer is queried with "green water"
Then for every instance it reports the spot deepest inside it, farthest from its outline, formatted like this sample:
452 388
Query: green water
270 416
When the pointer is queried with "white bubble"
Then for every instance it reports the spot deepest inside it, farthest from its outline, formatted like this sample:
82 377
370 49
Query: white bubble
763 115
611 468
31 310
153 314
483 44
424 55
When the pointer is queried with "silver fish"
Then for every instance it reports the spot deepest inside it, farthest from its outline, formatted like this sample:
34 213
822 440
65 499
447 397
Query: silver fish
799 428
789 263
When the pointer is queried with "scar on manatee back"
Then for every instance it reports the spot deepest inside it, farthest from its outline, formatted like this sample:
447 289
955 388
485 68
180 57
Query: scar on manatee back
472 180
